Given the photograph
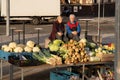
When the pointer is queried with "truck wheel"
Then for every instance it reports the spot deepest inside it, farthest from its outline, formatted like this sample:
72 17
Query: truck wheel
35 21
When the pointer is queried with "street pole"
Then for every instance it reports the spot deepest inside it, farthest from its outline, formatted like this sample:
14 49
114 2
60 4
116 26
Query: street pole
117 31
99 20
7 17
103 9
8 31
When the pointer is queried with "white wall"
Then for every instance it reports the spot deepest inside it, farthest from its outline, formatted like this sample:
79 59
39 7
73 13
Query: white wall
32 7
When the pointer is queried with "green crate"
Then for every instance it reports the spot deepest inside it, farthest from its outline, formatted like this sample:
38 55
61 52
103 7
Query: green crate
63 75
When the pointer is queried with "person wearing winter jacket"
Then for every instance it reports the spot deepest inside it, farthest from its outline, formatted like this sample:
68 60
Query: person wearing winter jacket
58 29
73 28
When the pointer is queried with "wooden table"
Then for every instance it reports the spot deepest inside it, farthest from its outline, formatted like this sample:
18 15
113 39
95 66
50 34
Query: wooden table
48 67
66 66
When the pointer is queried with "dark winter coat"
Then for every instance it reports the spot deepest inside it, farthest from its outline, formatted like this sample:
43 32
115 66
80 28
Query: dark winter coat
57 27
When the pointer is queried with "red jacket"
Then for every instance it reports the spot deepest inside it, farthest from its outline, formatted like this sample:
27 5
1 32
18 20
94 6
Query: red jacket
72 25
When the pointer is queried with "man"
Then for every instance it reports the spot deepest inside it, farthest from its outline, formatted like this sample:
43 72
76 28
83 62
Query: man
58 29
73 28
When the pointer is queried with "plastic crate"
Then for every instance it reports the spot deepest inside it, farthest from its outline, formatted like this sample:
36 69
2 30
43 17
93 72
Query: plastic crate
4 55
63 75
21 63
28 60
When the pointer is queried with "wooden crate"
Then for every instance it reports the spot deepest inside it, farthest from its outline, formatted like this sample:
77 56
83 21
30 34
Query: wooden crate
106 57
74 1
85 2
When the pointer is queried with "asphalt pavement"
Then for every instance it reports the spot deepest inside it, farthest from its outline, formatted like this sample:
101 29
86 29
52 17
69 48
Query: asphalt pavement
107 27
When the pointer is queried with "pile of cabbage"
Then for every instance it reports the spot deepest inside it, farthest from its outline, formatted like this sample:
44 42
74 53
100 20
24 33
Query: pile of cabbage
55 45
29 47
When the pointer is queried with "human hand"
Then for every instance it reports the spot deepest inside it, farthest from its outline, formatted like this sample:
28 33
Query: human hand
74 32
60 33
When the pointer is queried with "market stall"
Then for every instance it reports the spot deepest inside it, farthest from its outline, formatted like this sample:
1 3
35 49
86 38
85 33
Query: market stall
58 55
74 53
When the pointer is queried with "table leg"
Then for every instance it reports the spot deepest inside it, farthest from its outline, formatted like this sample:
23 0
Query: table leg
12 34
22 75
18 37
86 31
83 71
69 69
11 72
99 36
38 36
1 70
23 32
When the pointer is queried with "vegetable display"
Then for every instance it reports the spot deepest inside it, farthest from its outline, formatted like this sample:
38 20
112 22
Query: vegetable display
55 45
19 48
46 57
75 52
71 52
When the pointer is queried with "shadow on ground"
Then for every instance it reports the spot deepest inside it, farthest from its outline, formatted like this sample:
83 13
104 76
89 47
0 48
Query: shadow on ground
42 75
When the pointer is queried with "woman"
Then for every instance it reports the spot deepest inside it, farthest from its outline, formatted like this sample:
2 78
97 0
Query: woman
57 30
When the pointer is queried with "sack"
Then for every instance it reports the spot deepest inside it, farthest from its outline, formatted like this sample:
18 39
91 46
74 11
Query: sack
47 41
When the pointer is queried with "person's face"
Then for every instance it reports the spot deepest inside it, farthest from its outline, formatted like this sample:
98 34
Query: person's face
72 18
60 19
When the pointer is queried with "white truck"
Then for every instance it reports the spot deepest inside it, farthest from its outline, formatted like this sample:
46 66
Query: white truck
34 10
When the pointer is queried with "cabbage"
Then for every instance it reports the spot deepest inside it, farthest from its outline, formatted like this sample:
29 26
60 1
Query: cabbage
99 49
30 44
104 51
12 45
18 50
83 40
50 44
21 45
36 49
4 46
58 42
8 49
53 47
93 45
92 53
28 49
63 50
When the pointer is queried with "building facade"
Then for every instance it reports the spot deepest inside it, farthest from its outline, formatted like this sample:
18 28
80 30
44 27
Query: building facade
85 2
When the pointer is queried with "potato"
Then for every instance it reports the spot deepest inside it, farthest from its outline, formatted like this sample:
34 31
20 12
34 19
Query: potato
70 53
76 50
78 56
85 59
82 60
71 41
82 53
73 47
